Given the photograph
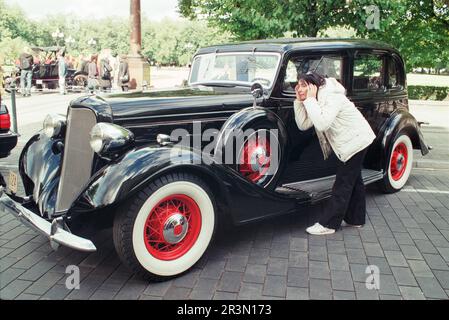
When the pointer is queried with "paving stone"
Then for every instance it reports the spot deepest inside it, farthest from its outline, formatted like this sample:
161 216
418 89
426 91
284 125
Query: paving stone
363 293
204 289
131 290
277 266
18 241
26 296
388 285
320 289
230 281
298 277
294 293
337 247
404 276
341 280
103 295
298 244
403 238
353 241
396 259
436 262
213 269
411 293
157 288
13 289
188 280
7 262
389 244
356 256
444 252
29 261
275 286
420 269
298 259
389 297
250 291
431 288
373 249
411 252
443 278
343 295
46 282
319 270
177 293
338 262
220 295
417 234
255 273
237 263
358 272
318 253
259 256
368 236
381 263
9 275
57 292
280 250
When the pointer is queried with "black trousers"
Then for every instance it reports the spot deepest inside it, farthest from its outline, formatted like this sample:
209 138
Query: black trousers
348 194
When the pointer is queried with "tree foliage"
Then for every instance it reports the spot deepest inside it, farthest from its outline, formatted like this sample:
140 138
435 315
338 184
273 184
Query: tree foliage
418 28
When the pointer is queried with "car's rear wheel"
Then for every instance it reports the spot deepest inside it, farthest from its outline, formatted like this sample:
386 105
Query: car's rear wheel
166 228
399 164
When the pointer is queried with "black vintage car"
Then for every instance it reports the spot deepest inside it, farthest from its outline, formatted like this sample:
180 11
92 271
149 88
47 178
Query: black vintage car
166 168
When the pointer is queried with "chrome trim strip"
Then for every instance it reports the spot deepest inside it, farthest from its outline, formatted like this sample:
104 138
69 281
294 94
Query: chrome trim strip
178 115
51 230
166 123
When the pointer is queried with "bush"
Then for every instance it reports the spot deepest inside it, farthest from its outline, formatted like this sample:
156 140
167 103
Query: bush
428 93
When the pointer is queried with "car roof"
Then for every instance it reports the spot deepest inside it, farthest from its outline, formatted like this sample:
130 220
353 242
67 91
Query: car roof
284 45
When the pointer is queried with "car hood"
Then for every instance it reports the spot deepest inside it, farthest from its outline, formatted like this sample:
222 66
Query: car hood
143 106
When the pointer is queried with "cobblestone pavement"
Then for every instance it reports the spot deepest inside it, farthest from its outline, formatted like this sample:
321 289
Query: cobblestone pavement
406 237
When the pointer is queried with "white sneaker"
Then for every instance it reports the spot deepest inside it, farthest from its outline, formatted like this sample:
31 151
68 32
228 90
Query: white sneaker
318 229
345 224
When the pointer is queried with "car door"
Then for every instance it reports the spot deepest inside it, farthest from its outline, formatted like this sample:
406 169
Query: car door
306 159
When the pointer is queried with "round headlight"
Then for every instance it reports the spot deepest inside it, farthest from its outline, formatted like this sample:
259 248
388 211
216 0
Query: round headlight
53 124
109 138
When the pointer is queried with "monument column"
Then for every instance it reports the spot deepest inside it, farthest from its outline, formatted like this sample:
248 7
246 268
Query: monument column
139 68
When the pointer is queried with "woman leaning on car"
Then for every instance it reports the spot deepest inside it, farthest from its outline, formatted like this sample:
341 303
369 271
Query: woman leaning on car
322 103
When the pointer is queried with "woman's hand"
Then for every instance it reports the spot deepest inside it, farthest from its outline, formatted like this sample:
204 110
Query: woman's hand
298 97
311 91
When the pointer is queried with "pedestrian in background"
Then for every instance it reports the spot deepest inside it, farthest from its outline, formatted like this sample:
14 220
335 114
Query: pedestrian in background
123 74
105 75
62 71
92 82
26 72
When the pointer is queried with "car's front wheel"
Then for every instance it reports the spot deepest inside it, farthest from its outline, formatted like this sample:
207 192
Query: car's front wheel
166 228
399 164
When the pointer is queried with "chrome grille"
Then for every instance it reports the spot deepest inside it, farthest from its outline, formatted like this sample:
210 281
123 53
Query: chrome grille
78 156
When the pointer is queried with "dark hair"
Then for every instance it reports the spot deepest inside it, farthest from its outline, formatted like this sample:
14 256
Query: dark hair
312 78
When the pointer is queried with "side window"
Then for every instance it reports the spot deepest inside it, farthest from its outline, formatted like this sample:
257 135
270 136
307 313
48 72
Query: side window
394 74
328 66
368 72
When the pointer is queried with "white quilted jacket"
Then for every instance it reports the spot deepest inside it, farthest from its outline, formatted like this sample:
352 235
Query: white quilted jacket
335 115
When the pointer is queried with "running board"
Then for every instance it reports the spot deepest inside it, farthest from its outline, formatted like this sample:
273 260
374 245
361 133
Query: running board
320 189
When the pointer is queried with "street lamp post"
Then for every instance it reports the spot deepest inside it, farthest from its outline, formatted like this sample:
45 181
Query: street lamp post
92 42
69 41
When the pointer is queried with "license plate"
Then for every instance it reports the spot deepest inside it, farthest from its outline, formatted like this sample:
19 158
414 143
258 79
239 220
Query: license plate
39 82
12 182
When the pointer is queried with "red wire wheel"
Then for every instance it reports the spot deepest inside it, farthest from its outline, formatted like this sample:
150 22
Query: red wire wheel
172 227
398 162
255 159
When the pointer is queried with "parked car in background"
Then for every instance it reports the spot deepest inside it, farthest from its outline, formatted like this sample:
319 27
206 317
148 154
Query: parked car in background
8 139
154 164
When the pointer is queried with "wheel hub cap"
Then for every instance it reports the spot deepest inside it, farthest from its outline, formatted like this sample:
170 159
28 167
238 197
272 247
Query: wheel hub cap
175 228
398 161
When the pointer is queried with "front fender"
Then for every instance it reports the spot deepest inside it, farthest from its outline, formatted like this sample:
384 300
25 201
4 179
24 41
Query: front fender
236 196
131 172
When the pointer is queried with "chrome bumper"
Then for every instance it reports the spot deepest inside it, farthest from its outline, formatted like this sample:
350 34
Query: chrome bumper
56 234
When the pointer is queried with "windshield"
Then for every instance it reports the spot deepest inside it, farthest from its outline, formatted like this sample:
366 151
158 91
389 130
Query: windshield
238 68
